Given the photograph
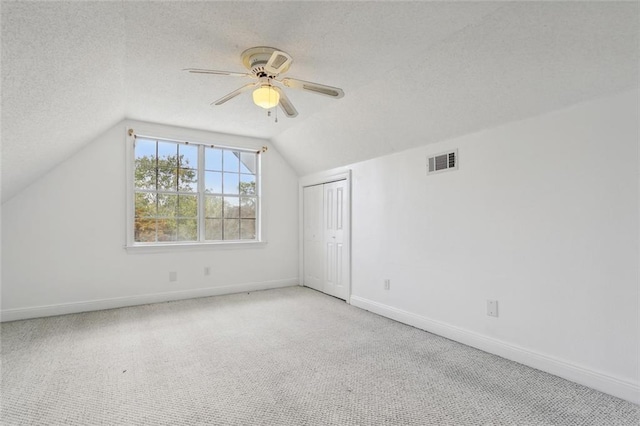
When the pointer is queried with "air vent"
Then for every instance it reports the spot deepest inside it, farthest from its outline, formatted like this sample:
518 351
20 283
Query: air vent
443 162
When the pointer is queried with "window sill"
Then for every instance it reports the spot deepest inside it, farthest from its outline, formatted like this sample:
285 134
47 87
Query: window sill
168 248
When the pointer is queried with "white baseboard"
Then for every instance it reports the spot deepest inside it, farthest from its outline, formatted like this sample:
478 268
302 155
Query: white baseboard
594 379
142 299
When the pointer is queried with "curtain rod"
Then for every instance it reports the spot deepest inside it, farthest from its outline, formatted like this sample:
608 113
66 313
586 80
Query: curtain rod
133 134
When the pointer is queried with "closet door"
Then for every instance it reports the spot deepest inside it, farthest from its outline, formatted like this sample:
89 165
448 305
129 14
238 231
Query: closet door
336 254
326 238
313 237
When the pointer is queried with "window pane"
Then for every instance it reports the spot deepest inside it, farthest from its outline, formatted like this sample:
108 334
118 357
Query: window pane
166 229
145 148
213 206
188 206
167 165
188 155
145 164
144 230
247 184
188 180
213 159
167 151
167 205
231 181
213 182
248 162
187 230
247 208
248 229
231 229
145 204
166 177
145 173
231 207
231 161
213 229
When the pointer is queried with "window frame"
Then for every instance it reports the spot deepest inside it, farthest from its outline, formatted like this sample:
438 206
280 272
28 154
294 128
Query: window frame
158 246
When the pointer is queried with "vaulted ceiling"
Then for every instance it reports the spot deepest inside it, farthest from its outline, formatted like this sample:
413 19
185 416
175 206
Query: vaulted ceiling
413 72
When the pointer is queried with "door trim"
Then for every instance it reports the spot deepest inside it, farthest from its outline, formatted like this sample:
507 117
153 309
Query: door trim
321 178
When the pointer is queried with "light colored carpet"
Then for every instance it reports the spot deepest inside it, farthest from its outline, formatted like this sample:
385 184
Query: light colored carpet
280 357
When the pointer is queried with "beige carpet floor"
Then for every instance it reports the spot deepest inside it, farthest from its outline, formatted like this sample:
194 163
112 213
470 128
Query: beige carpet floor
290 356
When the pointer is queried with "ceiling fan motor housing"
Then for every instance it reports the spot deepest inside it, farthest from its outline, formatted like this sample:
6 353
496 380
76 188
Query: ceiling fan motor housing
257 60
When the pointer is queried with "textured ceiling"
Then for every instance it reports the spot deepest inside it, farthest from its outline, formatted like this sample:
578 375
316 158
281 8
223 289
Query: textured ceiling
413 72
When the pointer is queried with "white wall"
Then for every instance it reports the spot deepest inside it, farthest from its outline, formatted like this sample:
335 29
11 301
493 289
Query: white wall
63 238
542 216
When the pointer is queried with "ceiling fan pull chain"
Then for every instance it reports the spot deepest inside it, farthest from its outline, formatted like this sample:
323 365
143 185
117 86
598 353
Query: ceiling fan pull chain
275 107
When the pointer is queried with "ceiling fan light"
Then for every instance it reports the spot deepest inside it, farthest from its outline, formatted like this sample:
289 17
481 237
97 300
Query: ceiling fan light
266 97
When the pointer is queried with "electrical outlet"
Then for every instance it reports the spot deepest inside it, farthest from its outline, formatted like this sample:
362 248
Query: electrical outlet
492 308
387 284
173 276
207 270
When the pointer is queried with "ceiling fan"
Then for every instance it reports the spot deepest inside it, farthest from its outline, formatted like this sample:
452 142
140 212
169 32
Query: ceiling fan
266 64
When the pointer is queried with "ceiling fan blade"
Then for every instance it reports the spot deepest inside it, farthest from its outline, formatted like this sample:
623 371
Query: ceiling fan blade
231 73
235 93
285 104
278 63
320 89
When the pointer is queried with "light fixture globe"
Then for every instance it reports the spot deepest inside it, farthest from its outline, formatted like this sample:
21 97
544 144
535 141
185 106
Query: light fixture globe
266 97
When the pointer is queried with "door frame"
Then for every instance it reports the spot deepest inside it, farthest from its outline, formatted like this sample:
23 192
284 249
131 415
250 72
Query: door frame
321 178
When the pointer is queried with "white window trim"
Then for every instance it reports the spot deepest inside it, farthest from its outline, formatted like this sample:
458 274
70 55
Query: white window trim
158 247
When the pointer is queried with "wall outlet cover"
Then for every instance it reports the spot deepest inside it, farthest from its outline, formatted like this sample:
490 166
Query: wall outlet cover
492 308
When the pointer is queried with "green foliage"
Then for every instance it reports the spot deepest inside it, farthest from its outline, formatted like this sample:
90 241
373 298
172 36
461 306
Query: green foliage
247 188
165 174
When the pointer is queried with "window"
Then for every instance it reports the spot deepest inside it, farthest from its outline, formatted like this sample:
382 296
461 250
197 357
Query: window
192 193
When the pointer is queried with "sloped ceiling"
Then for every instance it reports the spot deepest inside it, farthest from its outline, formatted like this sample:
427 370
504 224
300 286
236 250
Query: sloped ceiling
413 72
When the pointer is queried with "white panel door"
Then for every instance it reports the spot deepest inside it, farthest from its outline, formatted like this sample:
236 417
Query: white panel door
326 238
336 254
313 234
